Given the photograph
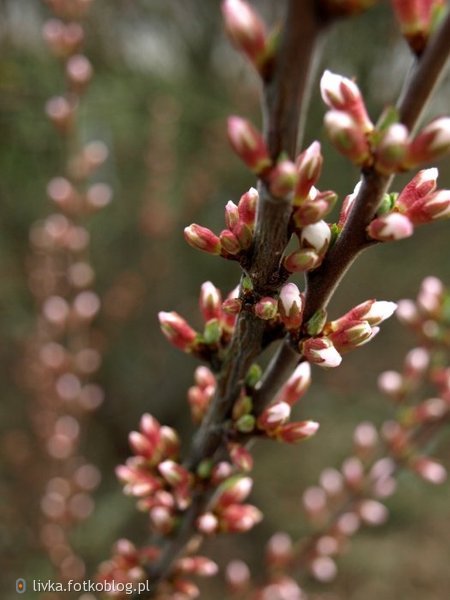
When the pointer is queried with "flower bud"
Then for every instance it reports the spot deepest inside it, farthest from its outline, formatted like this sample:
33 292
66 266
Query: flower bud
282 178
309 167
372 311
417 19
177 330
430 470
342 94
431 143
392 149
292 433
390 227
273 416
241 457
210 301
231 215
174 473
316 236
314 208
348 137
229 242
248 144
266 308
348 204
296 385
233 491
301 261
238 518
290 306
320 351
352 335
246 30
247 206
207 523
202 238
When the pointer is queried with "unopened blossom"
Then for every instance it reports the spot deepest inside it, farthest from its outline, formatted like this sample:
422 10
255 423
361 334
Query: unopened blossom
207 523
432 142
292 433
290 306
240 457
309 166
429 470
274 415
420 201
173 473
372 311
352 335
202 238
248 144
296 385
347 136
316 206
229 242
342 94
316 236
321 351
283 178
390 227
232 491
238 518
177 330
392 149
348 204
232 215
197 565
417 19
247 207
210 301
301 261
246 30
266 308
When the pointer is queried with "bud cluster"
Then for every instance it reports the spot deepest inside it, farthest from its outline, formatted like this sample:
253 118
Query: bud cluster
237 238
219 321
354 329
419 202
389 147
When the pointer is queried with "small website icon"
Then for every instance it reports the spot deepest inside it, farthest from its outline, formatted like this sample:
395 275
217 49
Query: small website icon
21 586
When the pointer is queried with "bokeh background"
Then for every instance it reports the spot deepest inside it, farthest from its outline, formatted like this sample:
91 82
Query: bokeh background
165 81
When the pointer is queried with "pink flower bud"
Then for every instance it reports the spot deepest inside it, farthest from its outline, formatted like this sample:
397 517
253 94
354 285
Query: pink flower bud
210 301
291 306
282 178
292 433
373 512
174 473
323 569
407 312
301 261
279 550
316 236
416 19
431 208
348 204
430 470
141 445
352 335
247 206
229 242
199 402
321 351
309 167
390 227
238 518
170 442
391 383
430 297
232 491
273 416
204 377
372 311
431 143
342 94
314 208
150 427
202 238
392 149
79 72
241 457
365 438
246 30
348 137
177 330
231 215
162 519
207 523
248 144
266 308
237 576
197 565
297 384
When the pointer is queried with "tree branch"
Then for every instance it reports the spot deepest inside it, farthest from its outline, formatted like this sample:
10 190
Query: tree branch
322 282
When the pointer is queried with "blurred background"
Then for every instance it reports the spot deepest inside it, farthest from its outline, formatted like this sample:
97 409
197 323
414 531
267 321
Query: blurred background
165 79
